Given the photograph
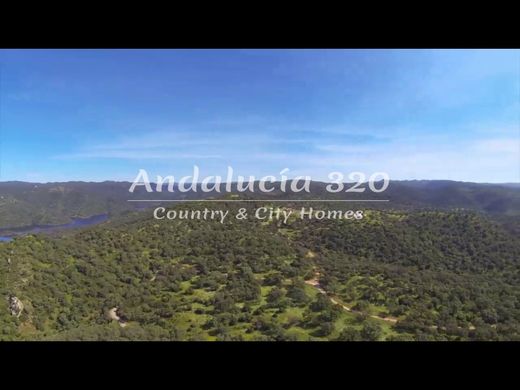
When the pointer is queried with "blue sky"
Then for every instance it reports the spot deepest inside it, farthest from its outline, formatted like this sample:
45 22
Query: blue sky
104 114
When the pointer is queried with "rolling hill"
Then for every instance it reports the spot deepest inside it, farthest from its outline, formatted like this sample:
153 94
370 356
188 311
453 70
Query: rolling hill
25 204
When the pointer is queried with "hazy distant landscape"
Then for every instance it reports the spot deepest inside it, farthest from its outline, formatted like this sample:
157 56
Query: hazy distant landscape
26 204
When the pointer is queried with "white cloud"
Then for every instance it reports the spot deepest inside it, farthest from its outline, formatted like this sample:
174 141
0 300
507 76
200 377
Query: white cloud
498 145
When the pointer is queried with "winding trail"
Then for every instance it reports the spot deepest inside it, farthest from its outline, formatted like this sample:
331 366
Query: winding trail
314 282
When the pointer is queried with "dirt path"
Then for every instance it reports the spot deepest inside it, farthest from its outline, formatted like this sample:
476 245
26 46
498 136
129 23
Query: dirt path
314 282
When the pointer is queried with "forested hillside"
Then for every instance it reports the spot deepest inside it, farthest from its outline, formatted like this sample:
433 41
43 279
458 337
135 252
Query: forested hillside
394 275
27 204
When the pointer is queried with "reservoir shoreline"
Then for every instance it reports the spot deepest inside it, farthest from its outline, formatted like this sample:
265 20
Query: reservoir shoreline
7 234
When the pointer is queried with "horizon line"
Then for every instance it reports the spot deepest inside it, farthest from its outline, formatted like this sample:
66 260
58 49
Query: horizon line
258 200
274 182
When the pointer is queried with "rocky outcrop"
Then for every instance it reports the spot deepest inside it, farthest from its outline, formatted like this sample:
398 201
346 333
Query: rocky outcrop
114 315
15 306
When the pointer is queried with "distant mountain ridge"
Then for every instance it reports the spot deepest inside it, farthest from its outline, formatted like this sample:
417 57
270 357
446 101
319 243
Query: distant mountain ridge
24 204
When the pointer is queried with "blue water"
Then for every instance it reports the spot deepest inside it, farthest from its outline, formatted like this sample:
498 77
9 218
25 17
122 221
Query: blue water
76 223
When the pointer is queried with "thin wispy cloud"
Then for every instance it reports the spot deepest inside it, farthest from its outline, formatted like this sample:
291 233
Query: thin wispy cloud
499 145
130 154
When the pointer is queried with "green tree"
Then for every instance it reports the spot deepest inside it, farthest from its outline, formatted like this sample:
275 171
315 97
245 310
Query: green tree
371 331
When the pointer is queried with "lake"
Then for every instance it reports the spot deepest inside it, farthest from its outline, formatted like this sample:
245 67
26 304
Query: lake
76 223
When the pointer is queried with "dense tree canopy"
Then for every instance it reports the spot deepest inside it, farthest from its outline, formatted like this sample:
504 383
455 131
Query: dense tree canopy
414 275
